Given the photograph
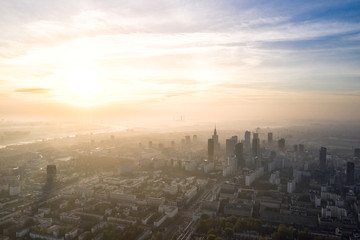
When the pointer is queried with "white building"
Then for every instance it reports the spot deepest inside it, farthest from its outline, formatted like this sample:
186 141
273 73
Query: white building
170 211
190 166
122 196
252 176
208 167
275 178
333 212
291 186
317 201
160 220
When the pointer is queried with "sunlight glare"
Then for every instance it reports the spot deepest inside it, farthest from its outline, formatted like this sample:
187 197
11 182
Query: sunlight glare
83 83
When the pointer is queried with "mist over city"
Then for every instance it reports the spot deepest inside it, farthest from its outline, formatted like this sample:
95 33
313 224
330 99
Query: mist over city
180 120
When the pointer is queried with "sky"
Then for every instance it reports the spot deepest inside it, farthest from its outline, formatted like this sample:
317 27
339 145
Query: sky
198 60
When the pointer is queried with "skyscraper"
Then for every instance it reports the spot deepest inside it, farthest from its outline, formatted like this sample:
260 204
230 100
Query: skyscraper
187 140
357 152
239 153
210 149
281 144
350 172
247 140
270 137
322 158
301 148
215 137
235 138
296 148
255 145
230 146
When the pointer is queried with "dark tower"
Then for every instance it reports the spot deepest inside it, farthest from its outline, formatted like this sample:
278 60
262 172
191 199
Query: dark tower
296 148
281 144
247 140
215 137
211 149
255 145
270 137
230 146
301 148
239 153
350 172
322 158
357 152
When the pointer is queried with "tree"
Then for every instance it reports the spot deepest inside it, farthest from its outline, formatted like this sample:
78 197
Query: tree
304 235
283 233
211 231
158 236
222 222
203 226
211 237
204 216
229 232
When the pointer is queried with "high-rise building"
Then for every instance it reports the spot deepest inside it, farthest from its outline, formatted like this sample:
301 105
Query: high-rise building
247 140
210 149
150 144
272 155
235 138
322 158
357 152
301 148
239 153
270 137
296 148
350 173
194 138
187 140
255 146
215 137
281 144
230 146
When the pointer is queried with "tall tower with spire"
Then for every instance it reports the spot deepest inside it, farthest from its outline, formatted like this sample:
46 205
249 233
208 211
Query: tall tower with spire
215 138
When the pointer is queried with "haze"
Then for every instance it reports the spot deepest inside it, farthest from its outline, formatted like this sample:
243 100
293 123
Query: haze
198 60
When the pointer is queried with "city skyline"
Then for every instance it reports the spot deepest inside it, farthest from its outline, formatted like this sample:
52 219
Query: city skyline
203 60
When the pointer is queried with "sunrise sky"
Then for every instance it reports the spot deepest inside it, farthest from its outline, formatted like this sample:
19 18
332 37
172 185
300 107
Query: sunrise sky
214 60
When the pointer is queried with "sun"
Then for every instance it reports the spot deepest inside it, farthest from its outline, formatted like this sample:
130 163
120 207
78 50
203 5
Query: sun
83 84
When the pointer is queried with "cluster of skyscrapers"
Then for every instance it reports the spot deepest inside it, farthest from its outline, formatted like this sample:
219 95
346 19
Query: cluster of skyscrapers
236 149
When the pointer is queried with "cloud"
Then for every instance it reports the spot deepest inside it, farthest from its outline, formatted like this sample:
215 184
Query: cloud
177 81
34 90
185 51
